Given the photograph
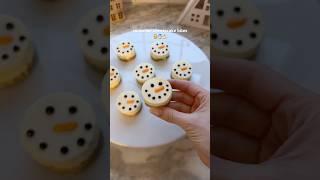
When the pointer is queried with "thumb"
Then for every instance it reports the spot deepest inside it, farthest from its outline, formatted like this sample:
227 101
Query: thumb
170 115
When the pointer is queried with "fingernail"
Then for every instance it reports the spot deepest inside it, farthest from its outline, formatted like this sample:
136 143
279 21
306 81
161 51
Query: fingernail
156 111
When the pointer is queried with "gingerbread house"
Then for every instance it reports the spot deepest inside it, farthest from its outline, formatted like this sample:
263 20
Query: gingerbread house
116 11
196 14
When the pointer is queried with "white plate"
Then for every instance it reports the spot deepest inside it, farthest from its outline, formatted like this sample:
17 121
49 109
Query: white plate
145 130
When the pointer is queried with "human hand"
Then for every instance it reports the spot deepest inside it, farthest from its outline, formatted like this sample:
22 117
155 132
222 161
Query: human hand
190 109
264 126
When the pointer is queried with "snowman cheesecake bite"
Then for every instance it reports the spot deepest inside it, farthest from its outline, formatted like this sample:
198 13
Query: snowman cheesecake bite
126 51
93 33
181 70
156 92
60 132
144 72
115 77
16 51
129 103
159 50
238 29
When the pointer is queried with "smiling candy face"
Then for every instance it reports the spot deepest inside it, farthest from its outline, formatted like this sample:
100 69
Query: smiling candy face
93 34
126 51
156 92
129 103
159 50
15 46
114 77
238 27
181 70
59 128
144 71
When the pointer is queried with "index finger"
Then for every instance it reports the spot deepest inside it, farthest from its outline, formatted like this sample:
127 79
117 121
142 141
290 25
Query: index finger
256 83
187 87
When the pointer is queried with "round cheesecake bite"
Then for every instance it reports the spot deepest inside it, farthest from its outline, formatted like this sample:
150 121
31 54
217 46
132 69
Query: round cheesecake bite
181 70
156 92
159 50
115 77
93 33
126 51
129 103
60 131
144 72
238 28
16 51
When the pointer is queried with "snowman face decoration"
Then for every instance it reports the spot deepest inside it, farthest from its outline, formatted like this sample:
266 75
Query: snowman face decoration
93 34
126 51
160 50
238 28
60 131
114 77
144 72
156 92
129 103
181 70
16 52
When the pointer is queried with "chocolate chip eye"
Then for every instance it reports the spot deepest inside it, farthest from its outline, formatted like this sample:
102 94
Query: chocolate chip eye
64 150
141 67
125 96
43 146
123 107
137 101
88 126
160 83
135 106
81 142
50 110
178 65
9 26
73 109
220 13
85 31
100 18
30 133
132 96
152 85
237 9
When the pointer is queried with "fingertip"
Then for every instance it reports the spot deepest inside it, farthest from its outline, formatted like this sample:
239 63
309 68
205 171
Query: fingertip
156 111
